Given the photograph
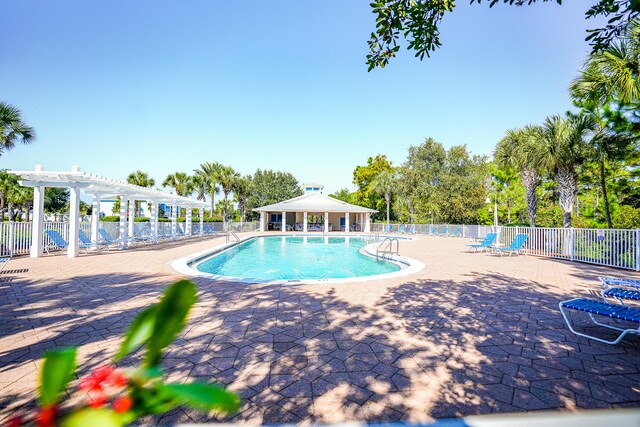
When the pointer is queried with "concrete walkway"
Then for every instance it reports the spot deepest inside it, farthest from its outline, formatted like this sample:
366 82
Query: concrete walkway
470 334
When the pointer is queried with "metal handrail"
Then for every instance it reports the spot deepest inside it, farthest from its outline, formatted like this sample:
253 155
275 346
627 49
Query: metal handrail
233 234
389 251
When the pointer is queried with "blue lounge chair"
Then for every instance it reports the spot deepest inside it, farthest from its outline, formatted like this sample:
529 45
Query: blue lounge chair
620 289
412 229
86 241
387 229
599 308
4 261
401 230
444 232
456 233
485 244
515 247
209 229
106 237
56 241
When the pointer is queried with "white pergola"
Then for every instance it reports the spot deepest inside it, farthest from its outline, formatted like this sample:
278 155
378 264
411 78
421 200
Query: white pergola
314 203
99 187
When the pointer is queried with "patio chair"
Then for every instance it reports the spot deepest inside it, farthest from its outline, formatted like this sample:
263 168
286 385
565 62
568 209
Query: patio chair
412 229
456 233
209 229
85 240
620 289
485 244
4 261
106 237
56 241
444 232
515 247
387 229
600 308
401 230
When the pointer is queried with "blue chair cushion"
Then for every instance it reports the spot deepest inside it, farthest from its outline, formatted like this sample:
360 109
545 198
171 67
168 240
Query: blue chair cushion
630 294
615 311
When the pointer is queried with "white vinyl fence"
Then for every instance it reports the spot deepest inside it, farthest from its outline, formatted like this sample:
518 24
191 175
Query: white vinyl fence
615 248
15 237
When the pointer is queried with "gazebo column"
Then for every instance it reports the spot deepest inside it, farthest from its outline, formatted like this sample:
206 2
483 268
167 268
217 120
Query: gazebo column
174 221
95 220
201 215
154 220
132 216
187 223
262 221
123 222
284 221
304 221
326 222
347 222
367 222
74 221
38 222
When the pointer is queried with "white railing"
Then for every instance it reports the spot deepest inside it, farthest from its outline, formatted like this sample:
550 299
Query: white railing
15 237
614 248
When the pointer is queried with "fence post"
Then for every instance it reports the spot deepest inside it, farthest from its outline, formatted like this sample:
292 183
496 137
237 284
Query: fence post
637 249
571 243
11 240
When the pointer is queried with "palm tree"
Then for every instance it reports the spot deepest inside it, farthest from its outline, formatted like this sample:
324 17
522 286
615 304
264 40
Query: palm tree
8 183
518 149
209 173
384 184
614 73
140 179
200 185
563 150
180 182
227 178
12 129
243 188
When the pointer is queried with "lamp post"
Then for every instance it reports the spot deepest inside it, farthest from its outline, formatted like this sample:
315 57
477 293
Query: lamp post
495 209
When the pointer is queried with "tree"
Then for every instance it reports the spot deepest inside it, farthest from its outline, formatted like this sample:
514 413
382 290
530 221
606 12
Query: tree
363 178
271 187
180 182
227 178
56 200
140 179
7 183
242 189
563 151
12 129
519 149
384 184
343 194
209 173
417 22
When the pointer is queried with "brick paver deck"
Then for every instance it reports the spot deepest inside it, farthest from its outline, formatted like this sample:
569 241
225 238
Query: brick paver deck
471 334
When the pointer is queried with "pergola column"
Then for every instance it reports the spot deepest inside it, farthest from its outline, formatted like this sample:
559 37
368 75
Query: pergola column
95 220
201 215
304 221
284 221
347 223
74 221
38 222
174 221
262 220
326 222
187 223
367 222
123 222
154 220
132 215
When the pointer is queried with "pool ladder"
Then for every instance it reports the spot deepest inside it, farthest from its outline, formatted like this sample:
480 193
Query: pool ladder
373 237
233 234
388 249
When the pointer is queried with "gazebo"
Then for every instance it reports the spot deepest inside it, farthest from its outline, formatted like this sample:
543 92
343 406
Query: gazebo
332 214
99 187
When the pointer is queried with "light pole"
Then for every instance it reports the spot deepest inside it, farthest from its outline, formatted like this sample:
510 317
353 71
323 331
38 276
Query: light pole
495 208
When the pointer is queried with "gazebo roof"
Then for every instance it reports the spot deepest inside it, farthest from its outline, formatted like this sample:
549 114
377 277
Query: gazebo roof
93 184
314 202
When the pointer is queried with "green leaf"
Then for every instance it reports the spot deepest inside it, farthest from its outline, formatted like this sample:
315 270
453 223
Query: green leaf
94 417
172 311
57 370
205 397
139 332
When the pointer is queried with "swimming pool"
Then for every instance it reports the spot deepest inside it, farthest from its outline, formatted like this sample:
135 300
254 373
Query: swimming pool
288 258
296 259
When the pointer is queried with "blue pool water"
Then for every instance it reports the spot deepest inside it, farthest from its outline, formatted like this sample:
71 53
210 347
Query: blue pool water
301 258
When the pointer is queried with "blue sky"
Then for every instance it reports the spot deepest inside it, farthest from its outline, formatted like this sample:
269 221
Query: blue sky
115 86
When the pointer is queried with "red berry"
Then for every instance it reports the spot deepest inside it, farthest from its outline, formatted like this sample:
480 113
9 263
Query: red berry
102 373
117 379
122 404
15 421
90 384
47 416
97 400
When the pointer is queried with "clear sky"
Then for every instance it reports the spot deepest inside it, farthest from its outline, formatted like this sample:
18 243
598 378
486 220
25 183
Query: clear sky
120 85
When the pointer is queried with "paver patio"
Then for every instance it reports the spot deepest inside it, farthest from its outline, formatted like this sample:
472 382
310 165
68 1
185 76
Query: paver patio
470 334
